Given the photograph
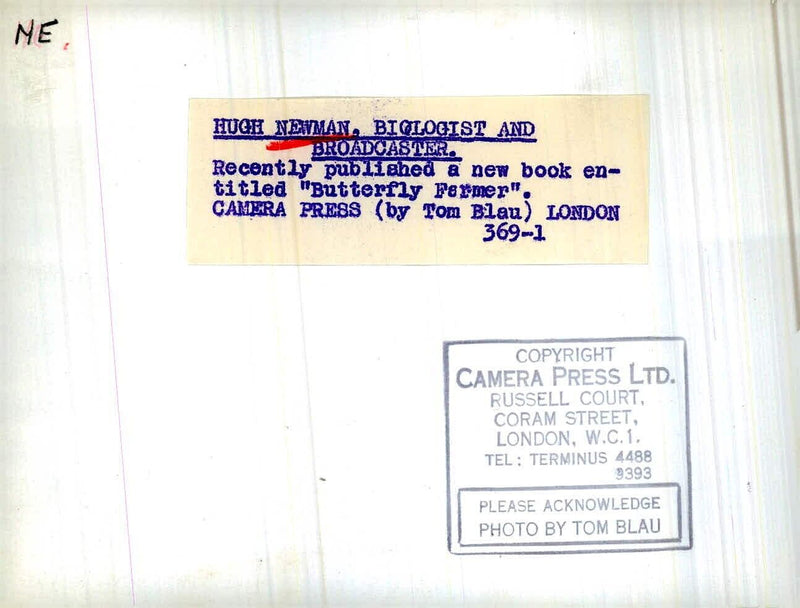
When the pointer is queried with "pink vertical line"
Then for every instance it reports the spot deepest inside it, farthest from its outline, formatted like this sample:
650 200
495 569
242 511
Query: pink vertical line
110 314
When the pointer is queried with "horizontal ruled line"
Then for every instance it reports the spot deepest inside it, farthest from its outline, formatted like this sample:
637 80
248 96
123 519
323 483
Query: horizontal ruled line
385 137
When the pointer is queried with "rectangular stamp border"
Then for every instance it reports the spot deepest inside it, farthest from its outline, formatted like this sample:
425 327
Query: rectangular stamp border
446 360
577 542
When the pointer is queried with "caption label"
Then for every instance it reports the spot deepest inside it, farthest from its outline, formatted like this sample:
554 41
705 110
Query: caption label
508 180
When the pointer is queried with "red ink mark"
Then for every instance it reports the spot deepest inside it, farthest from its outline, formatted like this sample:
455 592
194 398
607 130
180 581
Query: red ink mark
299 143
66 45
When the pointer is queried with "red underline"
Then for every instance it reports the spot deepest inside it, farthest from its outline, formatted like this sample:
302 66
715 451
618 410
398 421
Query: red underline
299 143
